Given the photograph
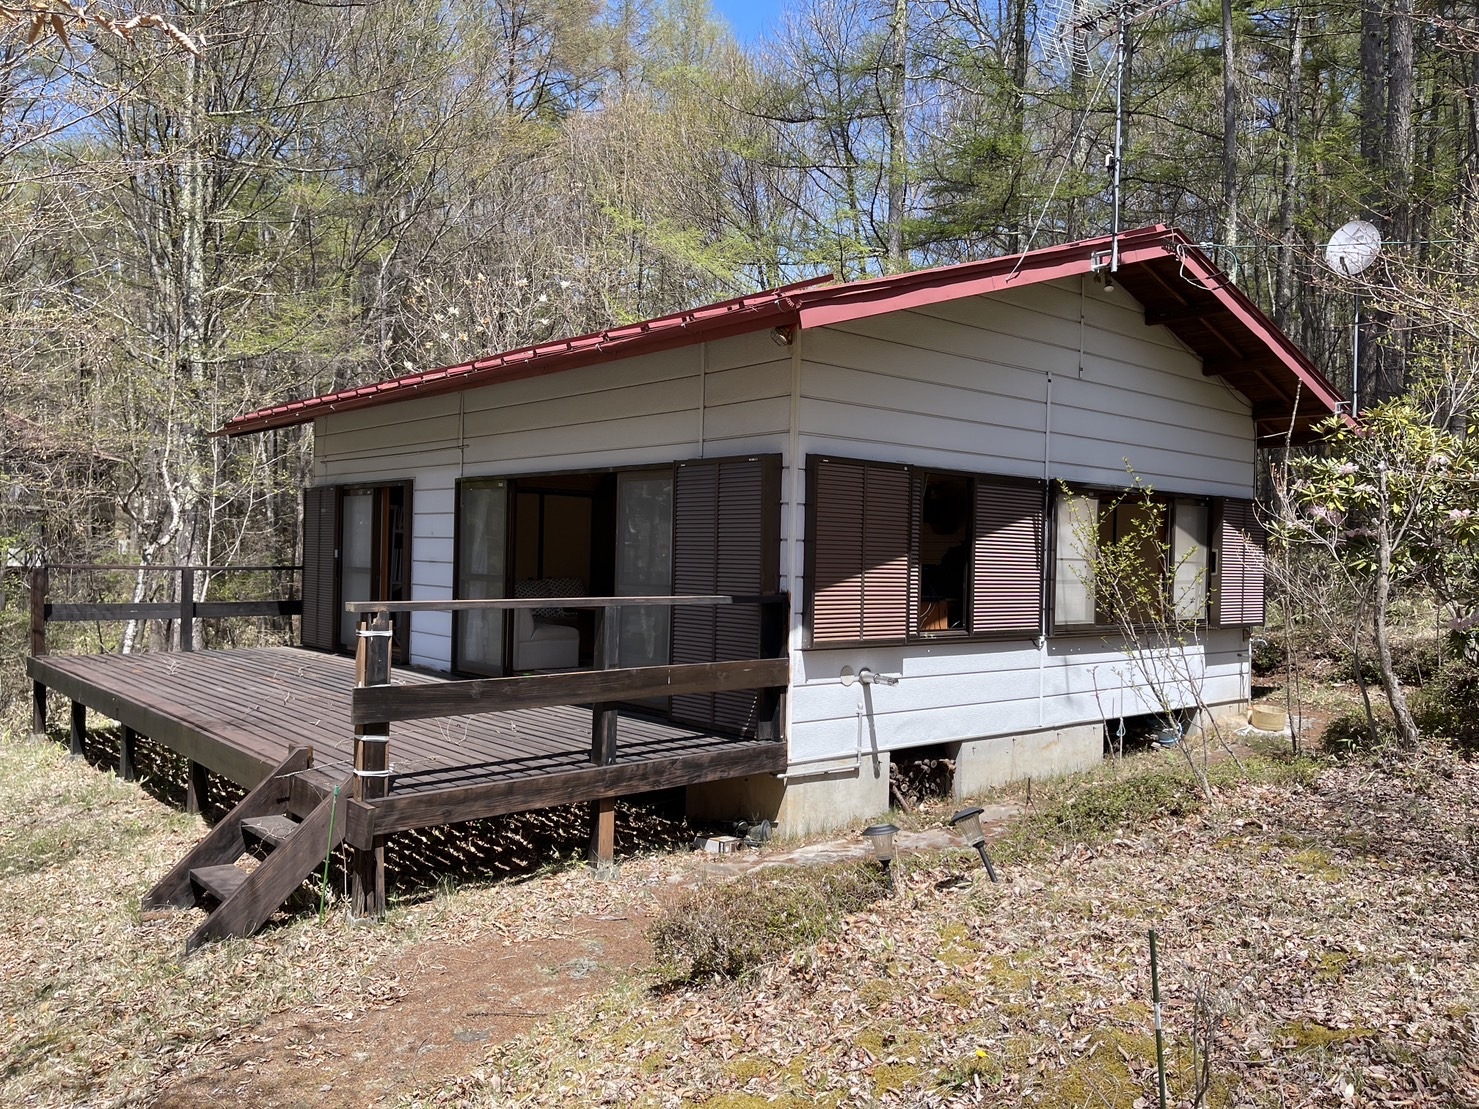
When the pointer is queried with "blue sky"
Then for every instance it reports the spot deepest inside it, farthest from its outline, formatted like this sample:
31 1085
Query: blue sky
750 18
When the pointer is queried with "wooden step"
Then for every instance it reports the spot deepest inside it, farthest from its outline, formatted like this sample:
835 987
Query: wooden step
270 829
263 892
219 881
224 843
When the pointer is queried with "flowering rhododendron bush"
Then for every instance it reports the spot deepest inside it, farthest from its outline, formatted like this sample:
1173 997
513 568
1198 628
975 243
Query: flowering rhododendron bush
1389 505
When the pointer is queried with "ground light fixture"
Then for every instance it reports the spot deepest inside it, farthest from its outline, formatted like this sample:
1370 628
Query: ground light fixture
968 823
881 838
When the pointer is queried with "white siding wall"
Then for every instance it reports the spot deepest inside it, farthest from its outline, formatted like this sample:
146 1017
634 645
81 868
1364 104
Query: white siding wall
974 385
728 397
961 386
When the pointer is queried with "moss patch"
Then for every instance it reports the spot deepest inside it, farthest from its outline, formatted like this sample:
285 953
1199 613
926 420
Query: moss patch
892 1077
1306 1035
1316 862
729 929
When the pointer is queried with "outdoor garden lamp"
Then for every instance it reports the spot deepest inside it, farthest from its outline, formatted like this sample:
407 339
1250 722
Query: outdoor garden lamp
968 823
881 838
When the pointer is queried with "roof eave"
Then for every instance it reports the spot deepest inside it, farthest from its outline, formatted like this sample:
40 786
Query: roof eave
535 363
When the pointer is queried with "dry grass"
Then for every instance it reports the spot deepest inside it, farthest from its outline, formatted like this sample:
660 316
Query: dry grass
1331 924
1330 910
98 1004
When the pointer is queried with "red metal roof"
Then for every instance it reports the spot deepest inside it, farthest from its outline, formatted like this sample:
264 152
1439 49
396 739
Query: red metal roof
1177 284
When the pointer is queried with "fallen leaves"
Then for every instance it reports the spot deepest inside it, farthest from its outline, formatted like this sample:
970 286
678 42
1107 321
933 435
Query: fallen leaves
1334 925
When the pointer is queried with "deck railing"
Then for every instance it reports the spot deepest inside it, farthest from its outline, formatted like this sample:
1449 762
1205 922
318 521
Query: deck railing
186 610
376 704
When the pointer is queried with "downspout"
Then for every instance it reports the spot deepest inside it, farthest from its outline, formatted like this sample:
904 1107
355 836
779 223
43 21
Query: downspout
1047 495
703 395
793 461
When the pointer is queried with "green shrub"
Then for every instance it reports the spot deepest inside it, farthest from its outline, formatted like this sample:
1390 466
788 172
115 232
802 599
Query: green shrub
1105 807
1417 661
1447 707
1097 810
1270 654
729 928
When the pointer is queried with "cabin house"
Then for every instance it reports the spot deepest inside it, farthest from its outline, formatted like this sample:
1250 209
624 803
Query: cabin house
915 463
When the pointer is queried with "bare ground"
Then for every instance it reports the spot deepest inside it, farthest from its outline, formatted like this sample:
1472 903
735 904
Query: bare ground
1330 926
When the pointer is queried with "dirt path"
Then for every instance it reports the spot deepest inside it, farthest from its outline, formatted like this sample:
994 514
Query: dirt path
429 1017
444 1004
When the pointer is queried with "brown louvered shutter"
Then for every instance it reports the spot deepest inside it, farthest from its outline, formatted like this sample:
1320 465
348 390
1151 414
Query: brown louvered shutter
320 530
1007 559
726 526
1240 546
859 552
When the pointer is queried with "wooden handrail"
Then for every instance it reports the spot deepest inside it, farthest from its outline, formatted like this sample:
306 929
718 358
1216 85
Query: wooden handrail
161 566
167 610
388 703
503 603
186 610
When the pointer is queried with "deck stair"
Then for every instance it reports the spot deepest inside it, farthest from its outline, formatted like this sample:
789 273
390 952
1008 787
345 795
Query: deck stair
294 826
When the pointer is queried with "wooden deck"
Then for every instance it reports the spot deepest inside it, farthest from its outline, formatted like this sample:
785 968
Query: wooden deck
240 712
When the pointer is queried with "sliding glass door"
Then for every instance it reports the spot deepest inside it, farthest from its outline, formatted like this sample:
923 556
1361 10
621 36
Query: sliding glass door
481 558
357 558
644 563
375 556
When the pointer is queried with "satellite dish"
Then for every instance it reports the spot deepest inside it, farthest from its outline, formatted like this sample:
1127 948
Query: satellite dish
1353 248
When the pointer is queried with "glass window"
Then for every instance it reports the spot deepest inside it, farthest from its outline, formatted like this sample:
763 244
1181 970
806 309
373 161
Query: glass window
644 564
1075 524
946 507
482 530
1129 563
356 559
1189 566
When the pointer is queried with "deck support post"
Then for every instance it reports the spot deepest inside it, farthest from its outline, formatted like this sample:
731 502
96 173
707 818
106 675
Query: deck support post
187 608
602 853
40 584
197 787
78 729
38 711
367 881
371 766
127 743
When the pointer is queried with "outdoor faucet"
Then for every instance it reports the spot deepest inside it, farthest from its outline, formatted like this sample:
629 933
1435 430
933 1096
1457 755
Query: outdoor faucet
868 677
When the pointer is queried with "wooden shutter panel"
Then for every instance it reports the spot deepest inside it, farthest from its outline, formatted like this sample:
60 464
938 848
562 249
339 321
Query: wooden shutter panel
1240 557
860 517
726 526
320 579
1007 559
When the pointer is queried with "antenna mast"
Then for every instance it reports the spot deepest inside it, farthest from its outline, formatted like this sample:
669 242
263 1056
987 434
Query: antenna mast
1072 23
1122 63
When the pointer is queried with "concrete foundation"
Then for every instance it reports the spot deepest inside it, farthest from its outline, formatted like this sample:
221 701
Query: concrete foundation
1228 715
807 801
983 763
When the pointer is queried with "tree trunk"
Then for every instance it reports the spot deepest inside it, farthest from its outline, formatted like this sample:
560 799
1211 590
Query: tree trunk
897 134
1397 152
1382 596
1021 219
1291 116
1230 132
1373 98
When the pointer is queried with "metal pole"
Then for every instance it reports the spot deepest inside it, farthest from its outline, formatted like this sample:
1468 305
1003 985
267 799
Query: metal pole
1155 996
986 860
1122 59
